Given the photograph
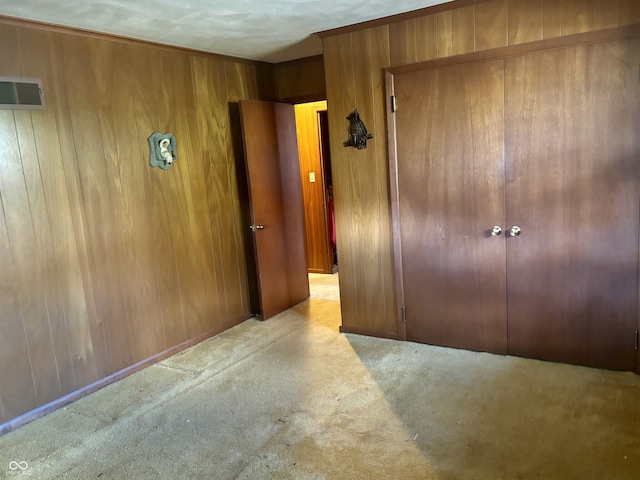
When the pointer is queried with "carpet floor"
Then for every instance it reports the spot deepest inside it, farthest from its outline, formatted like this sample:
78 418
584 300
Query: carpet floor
292 398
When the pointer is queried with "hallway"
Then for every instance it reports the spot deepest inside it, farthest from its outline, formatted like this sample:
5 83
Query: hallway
291 398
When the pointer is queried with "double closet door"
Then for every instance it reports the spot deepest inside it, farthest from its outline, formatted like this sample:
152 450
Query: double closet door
517 203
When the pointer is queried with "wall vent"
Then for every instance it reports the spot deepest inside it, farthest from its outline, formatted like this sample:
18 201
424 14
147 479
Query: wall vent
21 93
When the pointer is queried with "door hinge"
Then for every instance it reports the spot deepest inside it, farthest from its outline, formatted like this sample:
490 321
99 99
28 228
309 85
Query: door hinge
637 339
394 107
404 314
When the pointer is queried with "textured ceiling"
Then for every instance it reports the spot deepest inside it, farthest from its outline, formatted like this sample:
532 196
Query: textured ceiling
269 30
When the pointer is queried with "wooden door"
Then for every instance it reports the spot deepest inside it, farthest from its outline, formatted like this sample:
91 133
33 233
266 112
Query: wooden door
572 148
450 173
273 175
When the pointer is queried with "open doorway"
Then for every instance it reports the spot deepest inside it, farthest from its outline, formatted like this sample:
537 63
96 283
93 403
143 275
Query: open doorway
317 186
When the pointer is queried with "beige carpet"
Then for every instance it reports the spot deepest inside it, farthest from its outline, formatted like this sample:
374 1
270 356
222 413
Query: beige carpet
325 287
291 398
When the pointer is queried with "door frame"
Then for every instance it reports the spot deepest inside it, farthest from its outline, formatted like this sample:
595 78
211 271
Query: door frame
321 240
632 31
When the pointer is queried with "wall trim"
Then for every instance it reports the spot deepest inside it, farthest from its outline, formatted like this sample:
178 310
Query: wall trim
65 400
443 7
367 332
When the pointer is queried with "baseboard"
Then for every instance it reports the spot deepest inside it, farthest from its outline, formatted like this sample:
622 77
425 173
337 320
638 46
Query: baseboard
65 400
368 333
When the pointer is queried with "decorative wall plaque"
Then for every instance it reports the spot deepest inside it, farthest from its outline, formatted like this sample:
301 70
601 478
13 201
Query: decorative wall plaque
358 135
163 150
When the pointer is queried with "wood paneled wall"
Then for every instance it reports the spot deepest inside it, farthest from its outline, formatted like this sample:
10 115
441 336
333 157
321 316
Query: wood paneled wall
354 63
105 261
300 80
319 254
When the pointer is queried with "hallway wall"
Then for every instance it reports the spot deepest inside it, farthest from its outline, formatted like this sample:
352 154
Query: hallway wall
105 261
319 254
354 61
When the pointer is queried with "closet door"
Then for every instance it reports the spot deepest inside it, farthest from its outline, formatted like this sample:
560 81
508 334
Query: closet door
450 172
572 156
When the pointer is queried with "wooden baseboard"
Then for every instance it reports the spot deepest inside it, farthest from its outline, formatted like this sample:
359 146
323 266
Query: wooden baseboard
65 400
369 333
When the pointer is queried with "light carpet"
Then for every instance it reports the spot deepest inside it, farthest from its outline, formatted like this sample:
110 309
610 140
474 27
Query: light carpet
291 398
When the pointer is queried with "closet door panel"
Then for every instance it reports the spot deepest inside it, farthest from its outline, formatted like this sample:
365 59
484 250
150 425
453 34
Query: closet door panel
450 163
572 155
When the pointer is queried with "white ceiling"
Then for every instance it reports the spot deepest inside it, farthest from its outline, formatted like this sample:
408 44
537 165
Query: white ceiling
269 30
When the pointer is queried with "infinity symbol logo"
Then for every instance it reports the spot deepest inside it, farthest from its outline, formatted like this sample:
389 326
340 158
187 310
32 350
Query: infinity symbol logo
18 466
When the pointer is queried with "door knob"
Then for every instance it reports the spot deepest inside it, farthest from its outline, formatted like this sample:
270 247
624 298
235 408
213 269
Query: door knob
257 227
515 231
495 231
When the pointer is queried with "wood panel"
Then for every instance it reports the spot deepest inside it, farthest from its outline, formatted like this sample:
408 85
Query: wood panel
381 57
366 274
163 267
86 331
496 23
336 101
193 261
345 187
551 18
368 77
463 24
29 281
149 334
574 191
65 295
629 12
579 16
105 260
300 80
402 42
101 206
525 21
444 34
20 221
426 40
491 25
41 162
16 384
210 90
